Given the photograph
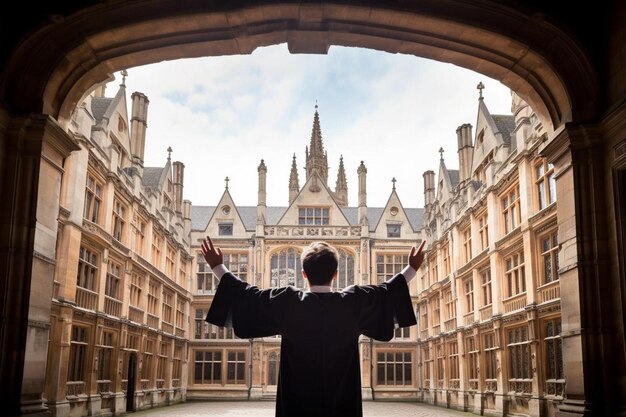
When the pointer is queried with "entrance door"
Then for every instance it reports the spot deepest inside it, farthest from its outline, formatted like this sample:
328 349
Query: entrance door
132 376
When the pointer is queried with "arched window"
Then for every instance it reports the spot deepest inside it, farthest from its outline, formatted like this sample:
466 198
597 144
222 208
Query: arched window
286 269
345 278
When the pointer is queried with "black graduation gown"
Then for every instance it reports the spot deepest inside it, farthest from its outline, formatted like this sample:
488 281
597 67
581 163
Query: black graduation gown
319 365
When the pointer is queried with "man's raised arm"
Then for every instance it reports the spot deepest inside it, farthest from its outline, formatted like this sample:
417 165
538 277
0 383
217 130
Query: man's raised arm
416 257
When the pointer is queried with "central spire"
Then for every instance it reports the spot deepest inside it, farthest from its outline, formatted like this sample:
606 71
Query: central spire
316 158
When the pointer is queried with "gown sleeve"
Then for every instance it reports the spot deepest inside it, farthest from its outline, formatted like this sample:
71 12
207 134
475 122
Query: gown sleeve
382 306
250 311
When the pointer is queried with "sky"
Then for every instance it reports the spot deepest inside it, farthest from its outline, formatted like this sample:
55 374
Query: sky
222 115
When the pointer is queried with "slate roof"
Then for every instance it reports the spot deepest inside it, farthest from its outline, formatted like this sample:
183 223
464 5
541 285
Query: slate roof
151 176
505 124
454 177
99 106
200 216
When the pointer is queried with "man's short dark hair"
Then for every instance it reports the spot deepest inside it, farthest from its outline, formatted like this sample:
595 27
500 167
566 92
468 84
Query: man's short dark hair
320 261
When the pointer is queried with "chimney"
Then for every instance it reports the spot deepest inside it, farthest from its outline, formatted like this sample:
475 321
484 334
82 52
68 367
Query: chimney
179 171
138 126
466 151
100 90
429 190
261 205
362 210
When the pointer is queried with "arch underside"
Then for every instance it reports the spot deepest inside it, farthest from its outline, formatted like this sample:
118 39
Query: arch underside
67 66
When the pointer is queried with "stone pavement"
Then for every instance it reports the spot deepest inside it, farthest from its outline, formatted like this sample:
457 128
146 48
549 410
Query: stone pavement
266 409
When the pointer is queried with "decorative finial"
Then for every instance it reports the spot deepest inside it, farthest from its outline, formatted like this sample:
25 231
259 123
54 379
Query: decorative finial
124 74
169 153
315 104
480 88
441 151
294 156
393 180
226 180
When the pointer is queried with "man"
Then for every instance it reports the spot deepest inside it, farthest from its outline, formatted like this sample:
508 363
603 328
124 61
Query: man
319 367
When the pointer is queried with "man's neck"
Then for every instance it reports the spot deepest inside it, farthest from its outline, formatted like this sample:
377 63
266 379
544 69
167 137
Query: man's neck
320 288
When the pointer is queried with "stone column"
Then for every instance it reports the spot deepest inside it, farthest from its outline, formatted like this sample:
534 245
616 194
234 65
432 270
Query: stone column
592 337
34 151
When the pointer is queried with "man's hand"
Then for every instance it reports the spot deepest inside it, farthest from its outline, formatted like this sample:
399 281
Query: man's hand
212 255
417 256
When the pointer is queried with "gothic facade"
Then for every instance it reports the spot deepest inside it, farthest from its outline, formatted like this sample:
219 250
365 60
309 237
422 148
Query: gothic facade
120 302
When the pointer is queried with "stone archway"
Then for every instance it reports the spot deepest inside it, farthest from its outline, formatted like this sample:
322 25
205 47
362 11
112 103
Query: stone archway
55 65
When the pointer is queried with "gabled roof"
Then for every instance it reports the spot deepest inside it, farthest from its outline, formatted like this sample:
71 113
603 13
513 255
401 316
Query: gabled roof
200 216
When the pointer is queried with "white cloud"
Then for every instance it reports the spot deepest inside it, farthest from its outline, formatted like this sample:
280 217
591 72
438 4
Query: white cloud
223 114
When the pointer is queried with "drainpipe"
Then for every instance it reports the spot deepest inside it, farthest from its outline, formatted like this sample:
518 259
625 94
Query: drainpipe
420 372
250 368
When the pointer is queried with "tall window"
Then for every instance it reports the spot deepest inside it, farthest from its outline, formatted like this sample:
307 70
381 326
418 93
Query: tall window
170 262
485 283
402 333
157 245
511 209
236 367
483 232
553 348
237 263
177 368
208 367
113 285
272 368
436 306
467 244
78 354
550 258
119 220
153 298
317 216
105 361
520 377
205 330
148 366
441 359
140 235
394 368
471 347
286 269
93 199
427 363
180 313
545 184
136 282
453 365
515 278
388 265
445 259
87 269
167 307
468 286
450 304
182 270
491 363
206 281
345 276
433 269
164 353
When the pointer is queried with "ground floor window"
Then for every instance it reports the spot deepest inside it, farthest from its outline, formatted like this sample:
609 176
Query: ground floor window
491 362
220 367
518 346
553 353
394 368
76 369
272 369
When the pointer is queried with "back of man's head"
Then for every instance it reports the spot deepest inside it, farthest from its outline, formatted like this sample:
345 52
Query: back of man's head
320 261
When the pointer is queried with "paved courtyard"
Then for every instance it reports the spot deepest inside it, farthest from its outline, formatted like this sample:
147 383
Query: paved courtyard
266 409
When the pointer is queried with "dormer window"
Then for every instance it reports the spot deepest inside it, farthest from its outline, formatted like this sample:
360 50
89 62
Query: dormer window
393 230
315 216
225 229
